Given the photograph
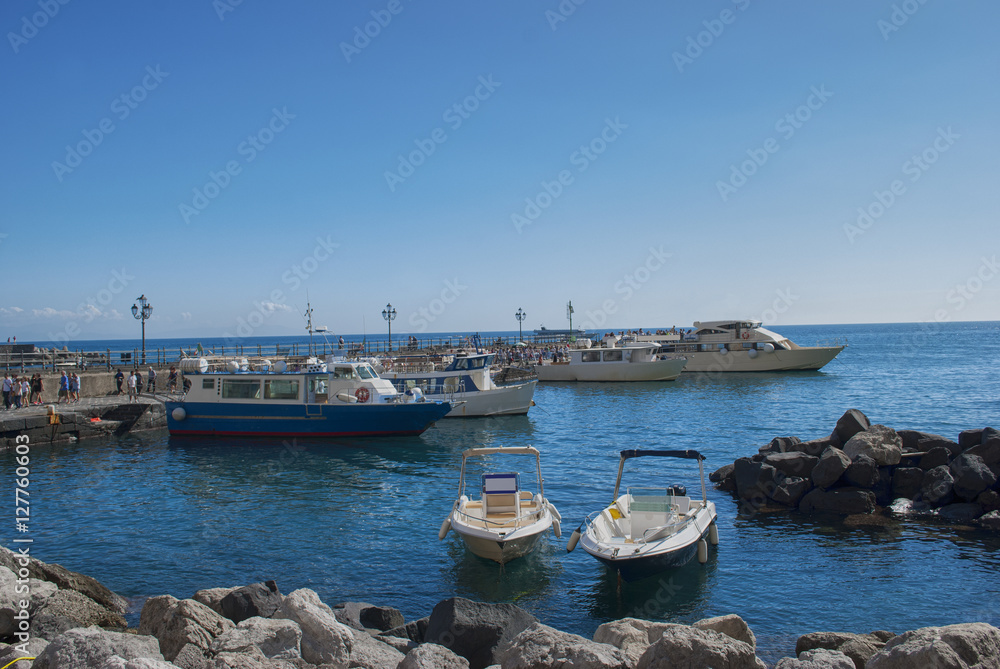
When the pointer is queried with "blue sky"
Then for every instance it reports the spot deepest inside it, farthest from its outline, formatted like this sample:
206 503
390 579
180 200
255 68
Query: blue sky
656 163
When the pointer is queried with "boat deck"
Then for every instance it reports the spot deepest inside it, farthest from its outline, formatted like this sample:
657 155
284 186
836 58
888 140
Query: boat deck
474 514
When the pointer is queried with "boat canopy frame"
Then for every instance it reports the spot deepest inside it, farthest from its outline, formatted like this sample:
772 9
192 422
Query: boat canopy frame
491 450
688 454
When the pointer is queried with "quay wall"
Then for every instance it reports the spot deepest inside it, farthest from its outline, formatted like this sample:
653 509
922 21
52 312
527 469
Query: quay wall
93 383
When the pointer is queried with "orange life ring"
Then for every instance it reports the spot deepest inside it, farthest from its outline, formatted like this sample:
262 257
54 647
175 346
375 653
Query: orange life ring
746 334
361 394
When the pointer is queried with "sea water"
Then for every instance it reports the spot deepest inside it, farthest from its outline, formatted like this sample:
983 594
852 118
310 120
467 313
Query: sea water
357 519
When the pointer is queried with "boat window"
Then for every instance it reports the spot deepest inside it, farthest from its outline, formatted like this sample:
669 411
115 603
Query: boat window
476 363
241 389
343 373
612 356
281 389
208 384
366 372
591 356
462 363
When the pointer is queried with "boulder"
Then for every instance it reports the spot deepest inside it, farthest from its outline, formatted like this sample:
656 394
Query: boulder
630 635
852 422
731 625
474 629
685 646
67 609
754 480
972 476
815 447
883 486
212 598
725 478
349 613
989 500
116 662
863 472
368 652
960 512
543 647
906 482
791 491
934 457
831 466
177 623
936 487
9 654
403 645
433 656
989 450
910 438
324 639
845 501
251 659
414 631
880 443
792 464
932 442
274 638
256 599
970 438
857 647
92 646
364 616
991 520
821 658
192 657
780 445
951 647
68 580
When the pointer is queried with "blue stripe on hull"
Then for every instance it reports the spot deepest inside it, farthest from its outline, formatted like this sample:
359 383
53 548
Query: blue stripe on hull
272 420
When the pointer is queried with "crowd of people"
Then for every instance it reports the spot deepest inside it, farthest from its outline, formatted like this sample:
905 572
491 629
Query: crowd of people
20 391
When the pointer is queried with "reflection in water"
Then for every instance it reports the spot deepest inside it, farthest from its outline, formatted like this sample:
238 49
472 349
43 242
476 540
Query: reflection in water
677 595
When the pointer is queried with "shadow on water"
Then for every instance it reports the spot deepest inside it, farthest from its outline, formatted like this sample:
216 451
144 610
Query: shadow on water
526 579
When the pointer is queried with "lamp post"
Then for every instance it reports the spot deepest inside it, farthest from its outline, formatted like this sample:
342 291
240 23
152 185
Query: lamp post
142 313
520 316
389 314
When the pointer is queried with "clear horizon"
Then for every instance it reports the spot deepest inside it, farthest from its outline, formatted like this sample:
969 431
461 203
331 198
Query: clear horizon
790 163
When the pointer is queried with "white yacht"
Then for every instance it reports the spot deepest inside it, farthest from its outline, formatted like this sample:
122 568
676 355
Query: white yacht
740 346
613 361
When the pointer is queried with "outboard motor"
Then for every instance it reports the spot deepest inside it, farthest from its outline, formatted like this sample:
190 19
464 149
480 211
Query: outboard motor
677 490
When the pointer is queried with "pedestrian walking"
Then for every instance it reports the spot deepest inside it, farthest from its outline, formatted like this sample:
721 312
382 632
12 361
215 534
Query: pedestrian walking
151 381
119 380
25 390
74 387
63 388
36 389
131 386
138 383
7 386
16 392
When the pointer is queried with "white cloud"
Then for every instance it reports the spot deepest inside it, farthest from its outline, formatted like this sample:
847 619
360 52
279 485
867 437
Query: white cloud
186 315
274 306
11 311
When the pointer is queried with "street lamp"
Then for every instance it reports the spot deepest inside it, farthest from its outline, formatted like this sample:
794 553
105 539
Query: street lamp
142 313
520 316
389 314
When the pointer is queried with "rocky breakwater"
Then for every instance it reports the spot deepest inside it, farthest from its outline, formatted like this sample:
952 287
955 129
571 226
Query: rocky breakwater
861 467
77 623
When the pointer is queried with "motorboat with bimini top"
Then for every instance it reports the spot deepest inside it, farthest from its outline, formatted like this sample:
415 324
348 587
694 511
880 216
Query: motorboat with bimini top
319 399
507 519
741 346
648 530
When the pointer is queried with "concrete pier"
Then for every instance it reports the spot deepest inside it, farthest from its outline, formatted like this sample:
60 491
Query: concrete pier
89 418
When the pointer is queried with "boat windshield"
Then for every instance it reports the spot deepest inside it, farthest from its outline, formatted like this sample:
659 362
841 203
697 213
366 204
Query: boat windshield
366 372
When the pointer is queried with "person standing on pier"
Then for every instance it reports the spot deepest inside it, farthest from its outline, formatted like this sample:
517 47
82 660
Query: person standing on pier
63 388
131 386
25 390
138 384
36 389
151 381
172 379
119 379
74 388
7 386
16 392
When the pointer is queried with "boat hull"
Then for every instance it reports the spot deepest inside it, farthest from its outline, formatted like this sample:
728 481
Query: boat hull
657 370
502 401
504 547
801 359
301 420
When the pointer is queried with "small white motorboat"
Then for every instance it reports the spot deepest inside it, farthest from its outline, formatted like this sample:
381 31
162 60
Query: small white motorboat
507 520
648 530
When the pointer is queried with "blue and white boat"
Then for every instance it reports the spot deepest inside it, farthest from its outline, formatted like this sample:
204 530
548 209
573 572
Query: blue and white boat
339 399
465 381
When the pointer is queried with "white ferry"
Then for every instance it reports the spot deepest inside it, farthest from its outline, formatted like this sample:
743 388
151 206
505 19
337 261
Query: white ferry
614 361
741 346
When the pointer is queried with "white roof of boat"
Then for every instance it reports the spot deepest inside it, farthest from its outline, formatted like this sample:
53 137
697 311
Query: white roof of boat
516 450
719 324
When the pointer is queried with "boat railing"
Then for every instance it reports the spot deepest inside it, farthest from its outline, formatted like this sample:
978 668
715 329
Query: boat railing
518 520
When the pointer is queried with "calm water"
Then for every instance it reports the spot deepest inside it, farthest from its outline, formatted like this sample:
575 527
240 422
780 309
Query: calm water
358 520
